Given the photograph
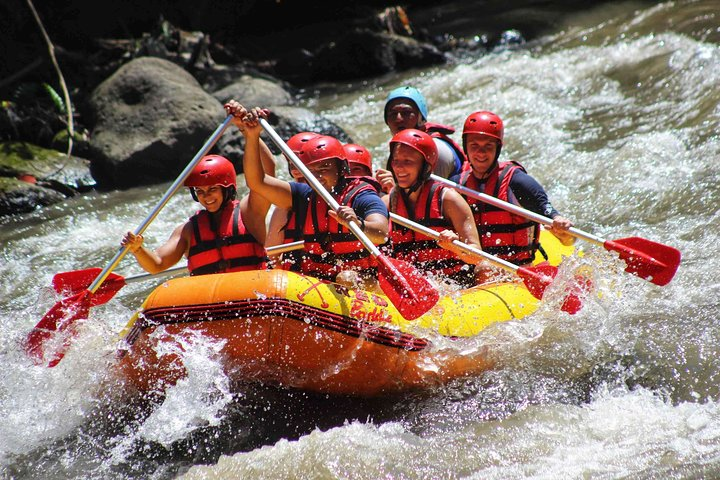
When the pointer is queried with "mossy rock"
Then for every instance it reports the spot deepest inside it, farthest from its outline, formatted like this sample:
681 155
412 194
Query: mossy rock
20 158
32 177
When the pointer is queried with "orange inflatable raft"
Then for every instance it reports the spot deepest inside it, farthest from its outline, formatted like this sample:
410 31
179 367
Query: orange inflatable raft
282 328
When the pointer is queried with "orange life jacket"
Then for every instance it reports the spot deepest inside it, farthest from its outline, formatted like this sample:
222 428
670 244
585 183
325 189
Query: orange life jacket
503 234
419 249
230 248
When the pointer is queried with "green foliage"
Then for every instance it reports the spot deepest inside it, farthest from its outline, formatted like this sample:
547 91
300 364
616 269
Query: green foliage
55 97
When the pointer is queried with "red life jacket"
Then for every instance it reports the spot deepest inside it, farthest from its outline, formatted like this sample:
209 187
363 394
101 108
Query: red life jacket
292 232
421 250
503 234
292 260
329 247
230 248
437 130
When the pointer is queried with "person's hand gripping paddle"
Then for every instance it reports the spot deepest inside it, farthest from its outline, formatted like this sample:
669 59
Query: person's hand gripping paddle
652 261
62 318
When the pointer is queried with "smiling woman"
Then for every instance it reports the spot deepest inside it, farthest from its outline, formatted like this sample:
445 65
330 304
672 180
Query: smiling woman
236 225
413 155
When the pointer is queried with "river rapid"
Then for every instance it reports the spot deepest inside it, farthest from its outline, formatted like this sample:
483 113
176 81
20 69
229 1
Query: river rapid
617 115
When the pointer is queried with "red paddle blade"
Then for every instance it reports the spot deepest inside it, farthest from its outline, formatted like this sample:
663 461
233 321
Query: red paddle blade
650 260
75 281
71 283
411 293
538 277
572 303
58 319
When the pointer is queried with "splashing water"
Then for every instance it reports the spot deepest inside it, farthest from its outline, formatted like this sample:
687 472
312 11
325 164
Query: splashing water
617 115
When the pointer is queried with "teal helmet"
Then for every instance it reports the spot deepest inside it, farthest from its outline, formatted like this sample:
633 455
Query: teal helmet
411 93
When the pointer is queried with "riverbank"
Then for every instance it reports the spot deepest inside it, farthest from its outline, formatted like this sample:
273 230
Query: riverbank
225 48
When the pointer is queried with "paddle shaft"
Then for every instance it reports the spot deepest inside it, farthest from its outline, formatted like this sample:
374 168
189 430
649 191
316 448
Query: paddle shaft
515 209
163 201
409 292
277 249
511 267
317 186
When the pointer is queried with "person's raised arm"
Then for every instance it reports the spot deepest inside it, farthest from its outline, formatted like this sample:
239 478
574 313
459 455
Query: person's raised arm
254 206
272 189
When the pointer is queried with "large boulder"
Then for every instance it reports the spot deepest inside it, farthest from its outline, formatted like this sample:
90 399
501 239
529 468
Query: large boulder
286 121
151 116
254 92
364 53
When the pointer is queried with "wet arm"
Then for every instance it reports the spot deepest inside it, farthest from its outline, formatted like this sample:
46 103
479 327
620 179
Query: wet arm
531 195
166 255
255 206
373 211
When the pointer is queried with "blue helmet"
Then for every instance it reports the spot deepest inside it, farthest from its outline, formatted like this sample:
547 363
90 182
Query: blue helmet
411 93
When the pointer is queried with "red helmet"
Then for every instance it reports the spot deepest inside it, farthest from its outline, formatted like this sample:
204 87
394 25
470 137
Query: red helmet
358 154
420 141
212 170
484 123
321 147
297 141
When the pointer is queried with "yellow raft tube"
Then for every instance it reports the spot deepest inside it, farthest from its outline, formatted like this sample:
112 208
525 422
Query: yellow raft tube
287 329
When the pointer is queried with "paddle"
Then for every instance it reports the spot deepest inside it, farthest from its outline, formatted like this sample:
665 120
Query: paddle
71 283
652 261
65 313
411 294
536 278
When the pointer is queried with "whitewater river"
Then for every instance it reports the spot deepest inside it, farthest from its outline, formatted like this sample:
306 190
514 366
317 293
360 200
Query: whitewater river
618 117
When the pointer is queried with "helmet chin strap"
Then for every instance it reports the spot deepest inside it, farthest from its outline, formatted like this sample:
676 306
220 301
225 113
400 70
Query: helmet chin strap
484 175
343 172
229 194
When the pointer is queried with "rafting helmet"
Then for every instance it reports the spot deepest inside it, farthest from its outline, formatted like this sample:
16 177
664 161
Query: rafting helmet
484 123
324 147
412 94
423 143
296 142
213 170
358 155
